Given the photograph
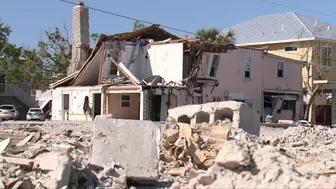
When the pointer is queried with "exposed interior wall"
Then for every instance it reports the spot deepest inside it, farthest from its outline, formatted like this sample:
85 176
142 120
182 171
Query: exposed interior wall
165 60
114 106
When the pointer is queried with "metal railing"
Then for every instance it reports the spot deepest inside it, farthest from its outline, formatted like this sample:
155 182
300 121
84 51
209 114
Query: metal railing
13 90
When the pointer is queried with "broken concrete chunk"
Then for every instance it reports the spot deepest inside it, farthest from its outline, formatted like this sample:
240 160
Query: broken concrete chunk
185 130
233 155
26 140
59 165
133 144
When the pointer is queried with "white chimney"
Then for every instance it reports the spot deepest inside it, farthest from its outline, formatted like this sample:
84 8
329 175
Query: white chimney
80 37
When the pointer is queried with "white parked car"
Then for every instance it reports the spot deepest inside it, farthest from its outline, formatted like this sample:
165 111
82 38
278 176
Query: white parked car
8 112
35 114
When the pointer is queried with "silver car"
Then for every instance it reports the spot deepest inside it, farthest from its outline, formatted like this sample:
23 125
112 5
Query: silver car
35 114
8 112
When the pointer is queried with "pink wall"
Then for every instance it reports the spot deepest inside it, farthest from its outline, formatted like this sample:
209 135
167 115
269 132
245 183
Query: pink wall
263 76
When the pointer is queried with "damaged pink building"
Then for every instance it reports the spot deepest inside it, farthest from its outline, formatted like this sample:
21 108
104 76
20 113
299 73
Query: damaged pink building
141 74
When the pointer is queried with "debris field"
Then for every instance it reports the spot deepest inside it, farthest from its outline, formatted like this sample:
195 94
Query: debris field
57 155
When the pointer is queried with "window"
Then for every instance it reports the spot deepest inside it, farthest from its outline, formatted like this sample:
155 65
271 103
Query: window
214 65
281 69
288 105
327 56
125 101
113 67
292 48
216 99
247 72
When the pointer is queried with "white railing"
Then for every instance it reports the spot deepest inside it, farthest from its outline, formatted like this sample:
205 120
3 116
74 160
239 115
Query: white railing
13 90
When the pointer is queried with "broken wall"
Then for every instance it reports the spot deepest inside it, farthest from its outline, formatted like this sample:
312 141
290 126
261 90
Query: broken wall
240 114
76 101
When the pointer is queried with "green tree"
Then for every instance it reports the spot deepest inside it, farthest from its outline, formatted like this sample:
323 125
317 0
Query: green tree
212 35
94 37
138 25
55 53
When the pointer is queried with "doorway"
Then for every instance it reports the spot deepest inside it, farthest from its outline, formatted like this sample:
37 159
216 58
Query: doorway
96 105
66 107
156 107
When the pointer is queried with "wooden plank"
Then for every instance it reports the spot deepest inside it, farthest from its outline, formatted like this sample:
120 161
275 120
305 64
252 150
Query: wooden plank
101 63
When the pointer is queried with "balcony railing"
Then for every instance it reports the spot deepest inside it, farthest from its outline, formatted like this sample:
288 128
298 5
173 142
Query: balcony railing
13 90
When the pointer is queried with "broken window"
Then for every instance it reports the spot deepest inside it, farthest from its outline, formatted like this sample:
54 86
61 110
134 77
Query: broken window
125 101
281 69
113 67
292 48
288 105
247 72
214 65
327 56
186 65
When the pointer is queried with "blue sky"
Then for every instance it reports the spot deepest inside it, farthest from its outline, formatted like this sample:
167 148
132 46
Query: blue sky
28 18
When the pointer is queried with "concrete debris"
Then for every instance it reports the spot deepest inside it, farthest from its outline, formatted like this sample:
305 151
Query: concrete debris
243 164
240 114
58 158
131 143
118 154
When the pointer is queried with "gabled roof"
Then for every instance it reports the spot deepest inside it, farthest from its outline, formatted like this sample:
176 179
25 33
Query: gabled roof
285 27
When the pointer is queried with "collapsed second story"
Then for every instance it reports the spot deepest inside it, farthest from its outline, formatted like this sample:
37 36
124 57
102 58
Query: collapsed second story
150 56
294 36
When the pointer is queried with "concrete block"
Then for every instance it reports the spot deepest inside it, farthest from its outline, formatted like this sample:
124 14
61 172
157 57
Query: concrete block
240 114
133 144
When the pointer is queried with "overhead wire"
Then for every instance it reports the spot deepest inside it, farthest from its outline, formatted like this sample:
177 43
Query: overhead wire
128 17
300 9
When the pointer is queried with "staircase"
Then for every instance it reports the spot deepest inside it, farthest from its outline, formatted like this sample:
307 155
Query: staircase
14 91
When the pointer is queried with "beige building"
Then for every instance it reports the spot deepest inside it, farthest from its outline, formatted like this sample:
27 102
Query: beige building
295 36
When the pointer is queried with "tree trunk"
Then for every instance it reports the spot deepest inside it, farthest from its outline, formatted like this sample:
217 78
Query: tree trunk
309 104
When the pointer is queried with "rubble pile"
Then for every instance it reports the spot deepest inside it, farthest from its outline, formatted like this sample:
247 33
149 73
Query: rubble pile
313 147
38 157
243 164
184 147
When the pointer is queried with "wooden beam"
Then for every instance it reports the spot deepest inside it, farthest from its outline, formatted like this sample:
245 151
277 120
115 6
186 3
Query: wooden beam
101 64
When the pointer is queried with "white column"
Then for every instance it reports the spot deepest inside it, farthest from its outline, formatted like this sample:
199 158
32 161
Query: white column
141 109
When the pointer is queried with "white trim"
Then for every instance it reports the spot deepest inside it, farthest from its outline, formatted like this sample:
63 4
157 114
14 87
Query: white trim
281 92
123 91
121 100
275 42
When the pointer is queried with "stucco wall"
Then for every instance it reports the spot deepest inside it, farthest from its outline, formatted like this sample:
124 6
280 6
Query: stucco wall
114 106
263 76
76 101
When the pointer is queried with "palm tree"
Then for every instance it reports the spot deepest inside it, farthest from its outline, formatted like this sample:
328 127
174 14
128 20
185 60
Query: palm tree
212 35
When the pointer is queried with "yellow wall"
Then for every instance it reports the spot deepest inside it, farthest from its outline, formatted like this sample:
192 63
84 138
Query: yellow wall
114 106
311 54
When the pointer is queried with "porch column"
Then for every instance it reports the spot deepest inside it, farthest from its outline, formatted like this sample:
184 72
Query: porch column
333 108
141 108
103 102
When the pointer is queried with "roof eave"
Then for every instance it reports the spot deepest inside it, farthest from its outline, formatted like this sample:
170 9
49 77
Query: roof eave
276 42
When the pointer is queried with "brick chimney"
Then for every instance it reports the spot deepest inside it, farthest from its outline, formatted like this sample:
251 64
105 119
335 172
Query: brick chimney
80 37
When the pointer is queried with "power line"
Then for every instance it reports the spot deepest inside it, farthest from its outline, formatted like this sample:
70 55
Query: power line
305 10
128 17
